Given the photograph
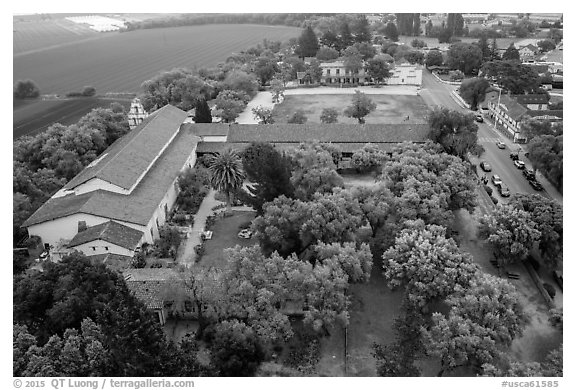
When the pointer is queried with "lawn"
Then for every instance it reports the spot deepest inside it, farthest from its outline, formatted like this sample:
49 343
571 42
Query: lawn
121 62
226 236
390 109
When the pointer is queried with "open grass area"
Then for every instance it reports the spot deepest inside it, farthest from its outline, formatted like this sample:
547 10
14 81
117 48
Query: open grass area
389 108
226 236
120 62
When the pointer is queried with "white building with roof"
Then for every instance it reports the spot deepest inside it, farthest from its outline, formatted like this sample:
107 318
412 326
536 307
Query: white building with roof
130 189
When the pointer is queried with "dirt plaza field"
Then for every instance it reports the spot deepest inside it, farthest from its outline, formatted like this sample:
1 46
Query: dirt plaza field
389 108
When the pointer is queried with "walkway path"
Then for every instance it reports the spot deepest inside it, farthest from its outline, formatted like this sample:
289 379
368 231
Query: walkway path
187 254
263 99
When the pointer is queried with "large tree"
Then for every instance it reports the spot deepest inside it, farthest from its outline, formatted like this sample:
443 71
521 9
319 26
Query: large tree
66 293
547 214
229 104
307 43
466 57
361 106
202 114
25 89
547 155
362 32
511 231
428 264
473 91
391 31
227 174
179 87
455 131
265 68
511 54
379 69
512 75
434 58
352 59
269 172
263 115
482 318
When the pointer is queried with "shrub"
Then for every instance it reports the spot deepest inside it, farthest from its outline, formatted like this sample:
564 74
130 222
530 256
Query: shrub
488 189
245 225
456 75
89 91
138 261
179 218
494 200
156 264
26 89
169 241
74 94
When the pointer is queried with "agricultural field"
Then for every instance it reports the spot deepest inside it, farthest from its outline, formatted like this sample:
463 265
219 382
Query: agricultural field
31 117
39 35
120 62
389 108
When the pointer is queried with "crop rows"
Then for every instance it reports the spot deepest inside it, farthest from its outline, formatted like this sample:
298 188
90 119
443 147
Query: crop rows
121 62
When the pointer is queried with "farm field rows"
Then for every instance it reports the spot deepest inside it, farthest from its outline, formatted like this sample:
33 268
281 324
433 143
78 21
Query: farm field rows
121 62
42 34
35 116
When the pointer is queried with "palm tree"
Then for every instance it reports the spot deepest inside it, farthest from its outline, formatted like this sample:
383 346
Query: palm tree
226 173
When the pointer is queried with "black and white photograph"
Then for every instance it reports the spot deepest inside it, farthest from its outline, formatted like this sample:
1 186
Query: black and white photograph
306 193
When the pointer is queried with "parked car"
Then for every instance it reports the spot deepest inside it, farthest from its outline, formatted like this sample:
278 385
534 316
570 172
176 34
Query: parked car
504 191
496 180
501 145
519 164
529 173
536 185
557 275
479 118
485 166
514 156
245 233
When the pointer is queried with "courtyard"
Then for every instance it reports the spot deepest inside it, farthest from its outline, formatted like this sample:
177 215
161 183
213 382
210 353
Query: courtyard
390 109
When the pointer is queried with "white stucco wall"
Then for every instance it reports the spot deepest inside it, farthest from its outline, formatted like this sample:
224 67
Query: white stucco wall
67 227
98 247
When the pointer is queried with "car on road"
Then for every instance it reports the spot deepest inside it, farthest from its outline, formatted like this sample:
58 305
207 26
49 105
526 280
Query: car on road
496 180
514 156
519 164
558 277
245 233
504 191
501 145
479 118
485 166
529 173
536 185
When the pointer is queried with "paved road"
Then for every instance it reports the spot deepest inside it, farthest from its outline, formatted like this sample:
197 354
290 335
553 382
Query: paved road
436 93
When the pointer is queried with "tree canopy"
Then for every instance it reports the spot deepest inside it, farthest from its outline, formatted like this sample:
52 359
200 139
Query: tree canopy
473 91
512 75
466 57
547 155
307 43
361 106
26 89
455 131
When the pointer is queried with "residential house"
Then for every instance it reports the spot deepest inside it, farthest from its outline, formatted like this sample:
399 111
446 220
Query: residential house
507 113
533 101
335 73
528 52
133 184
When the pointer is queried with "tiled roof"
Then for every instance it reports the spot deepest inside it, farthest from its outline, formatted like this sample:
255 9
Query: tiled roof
112 232
550 113
337 133
514 109
140 205
208 129
125 161
113 261
533 98
150 284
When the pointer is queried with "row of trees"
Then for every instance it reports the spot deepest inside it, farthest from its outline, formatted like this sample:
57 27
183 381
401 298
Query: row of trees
43 163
